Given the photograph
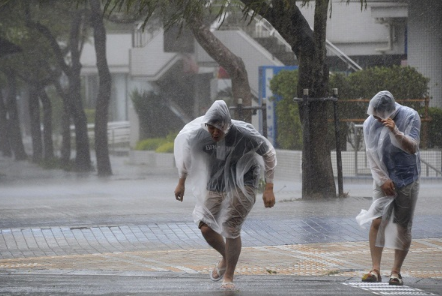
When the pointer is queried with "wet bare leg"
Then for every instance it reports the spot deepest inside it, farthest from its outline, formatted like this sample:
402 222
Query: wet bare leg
216 241
399 255
376 252
233 250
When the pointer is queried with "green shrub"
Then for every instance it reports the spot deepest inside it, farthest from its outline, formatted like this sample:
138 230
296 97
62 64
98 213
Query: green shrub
90 115
171 136
403 82
165 148
150 144
434 128
283 86
162 145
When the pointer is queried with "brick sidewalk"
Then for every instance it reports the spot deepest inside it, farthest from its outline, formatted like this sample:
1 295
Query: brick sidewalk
349 259
114 226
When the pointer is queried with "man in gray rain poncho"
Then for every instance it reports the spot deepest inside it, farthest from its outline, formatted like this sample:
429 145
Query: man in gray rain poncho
220 159
392 135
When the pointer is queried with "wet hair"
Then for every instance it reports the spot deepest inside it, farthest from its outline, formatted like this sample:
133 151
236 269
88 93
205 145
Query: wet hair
216 121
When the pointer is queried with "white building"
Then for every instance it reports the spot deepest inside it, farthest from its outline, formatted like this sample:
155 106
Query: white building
386 33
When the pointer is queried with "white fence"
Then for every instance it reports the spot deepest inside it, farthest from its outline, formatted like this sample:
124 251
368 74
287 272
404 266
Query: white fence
353 164
118 134
290 163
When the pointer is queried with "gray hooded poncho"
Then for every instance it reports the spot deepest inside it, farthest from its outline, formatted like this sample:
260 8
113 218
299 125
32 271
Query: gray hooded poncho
230 166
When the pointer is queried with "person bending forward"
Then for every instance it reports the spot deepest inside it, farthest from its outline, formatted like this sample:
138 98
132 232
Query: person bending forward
222 159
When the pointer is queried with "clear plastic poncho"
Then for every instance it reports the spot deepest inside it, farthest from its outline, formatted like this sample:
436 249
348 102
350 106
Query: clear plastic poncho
392 155
229 169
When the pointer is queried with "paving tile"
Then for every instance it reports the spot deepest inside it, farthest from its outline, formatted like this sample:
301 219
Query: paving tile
312 246
332 259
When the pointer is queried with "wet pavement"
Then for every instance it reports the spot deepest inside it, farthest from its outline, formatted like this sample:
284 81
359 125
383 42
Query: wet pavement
65 233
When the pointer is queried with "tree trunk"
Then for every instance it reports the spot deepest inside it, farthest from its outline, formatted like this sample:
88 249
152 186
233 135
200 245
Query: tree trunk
65 127
309 47
75 108
34 114
83 155
320 167
65 152
48 145
5 144
14 123
233 64
104 92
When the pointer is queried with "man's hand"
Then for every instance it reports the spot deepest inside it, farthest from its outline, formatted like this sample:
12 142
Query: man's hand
179 190
388 123
388 188
268 196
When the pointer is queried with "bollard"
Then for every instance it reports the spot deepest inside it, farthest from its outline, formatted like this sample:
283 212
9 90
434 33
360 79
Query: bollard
338 147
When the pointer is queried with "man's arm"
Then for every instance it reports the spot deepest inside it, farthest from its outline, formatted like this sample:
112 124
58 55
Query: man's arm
182 159
269 163
406 142
180 188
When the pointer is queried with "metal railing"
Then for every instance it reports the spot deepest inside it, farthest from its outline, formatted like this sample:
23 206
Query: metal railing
430 170
429 159
264 28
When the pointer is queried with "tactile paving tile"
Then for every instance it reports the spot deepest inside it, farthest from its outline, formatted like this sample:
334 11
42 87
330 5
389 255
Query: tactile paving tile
386 289
350 259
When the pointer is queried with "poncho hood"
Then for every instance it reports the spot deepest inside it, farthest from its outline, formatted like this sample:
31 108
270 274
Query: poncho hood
218 116
382 105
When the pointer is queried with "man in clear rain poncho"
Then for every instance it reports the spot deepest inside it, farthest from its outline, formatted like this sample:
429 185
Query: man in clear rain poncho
221 159
392 135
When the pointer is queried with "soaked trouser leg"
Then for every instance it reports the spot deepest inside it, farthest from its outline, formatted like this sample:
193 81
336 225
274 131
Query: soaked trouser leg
404 211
